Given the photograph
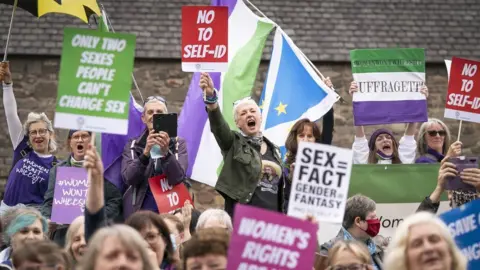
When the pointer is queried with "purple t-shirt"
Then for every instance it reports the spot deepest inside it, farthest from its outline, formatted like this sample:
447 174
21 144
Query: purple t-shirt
28 180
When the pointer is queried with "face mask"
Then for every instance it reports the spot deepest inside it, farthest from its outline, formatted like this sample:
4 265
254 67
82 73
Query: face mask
155 152
174 241
373 227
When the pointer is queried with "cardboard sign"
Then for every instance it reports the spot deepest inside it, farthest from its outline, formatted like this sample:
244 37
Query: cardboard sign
320 182
204 38
95 81
70 194
168 198
464 225
463 96
265 240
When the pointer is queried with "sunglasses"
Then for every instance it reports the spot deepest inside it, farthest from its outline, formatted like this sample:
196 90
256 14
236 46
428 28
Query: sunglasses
159 98
434 133
241 100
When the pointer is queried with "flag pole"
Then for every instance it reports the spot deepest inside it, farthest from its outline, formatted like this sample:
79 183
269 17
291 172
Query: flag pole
109 24
10 31
304 56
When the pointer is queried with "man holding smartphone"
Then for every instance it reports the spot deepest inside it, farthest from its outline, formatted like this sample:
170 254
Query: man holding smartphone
152 154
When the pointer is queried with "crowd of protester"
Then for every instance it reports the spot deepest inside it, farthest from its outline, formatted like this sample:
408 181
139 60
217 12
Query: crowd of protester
126 231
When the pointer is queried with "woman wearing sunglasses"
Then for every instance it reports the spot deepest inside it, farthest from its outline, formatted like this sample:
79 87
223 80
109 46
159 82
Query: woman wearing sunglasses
433 142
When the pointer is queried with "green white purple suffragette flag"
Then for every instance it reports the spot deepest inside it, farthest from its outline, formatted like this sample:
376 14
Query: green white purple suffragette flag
389 82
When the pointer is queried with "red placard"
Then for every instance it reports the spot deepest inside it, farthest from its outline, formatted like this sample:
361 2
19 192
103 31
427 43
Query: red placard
168 198
463 97
204 38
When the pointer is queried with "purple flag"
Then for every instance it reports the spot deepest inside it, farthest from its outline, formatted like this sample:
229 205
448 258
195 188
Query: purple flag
113 145
193 116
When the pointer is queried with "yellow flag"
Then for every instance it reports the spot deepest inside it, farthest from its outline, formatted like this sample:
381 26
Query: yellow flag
71 7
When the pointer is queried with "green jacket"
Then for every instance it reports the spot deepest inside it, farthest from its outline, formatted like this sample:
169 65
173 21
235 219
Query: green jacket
242 166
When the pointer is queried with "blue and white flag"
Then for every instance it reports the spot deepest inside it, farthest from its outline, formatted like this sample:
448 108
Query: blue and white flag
292 91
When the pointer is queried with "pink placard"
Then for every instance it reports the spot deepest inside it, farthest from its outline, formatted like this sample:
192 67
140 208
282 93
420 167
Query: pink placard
264 240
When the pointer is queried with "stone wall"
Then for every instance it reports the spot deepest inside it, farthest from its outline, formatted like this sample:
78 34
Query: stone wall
35 86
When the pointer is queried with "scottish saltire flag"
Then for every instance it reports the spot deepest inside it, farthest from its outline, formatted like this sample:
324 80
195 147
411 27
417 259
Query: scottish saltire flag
389 82
110 146
397 190
291 92
246 40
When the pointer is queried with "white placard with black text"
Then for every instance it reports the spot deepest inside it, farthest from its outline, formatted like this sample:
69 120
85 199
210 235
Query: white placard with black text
320 182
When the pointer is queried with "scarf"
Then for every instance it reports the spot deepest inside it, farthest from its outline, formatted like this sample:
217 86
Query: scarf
380 155
254 140
372 248
76 163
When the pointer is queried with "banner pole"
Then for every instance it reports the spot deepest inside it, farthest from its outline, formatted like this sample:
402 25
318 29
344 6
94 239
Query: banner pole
89 171
9 31
459 130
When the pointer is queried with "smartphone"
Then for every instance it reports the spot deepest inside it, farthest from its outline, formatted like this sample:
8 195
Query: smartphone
166 123
462 162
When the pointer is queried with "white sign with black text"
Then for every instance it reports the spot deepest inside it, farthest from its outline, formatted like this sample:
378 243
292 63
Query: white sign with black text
320 182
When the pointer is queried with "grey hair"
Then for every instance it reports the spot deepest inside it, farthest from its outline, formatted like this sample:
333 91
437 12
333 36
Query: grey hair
214 214
247 100
357 206
142 109
129 237
37 117
396 252
422 145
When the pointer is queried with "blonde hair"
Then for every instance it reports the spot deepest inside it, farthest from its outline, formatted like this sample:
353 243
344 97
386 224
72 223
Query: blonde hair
356 248
422 145
35 118
72 230
396 252
247 100
129 237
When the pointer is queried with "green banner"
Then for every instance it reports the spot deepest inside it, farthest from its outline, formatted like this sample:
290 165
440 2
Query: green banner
95 81
387 60
402 183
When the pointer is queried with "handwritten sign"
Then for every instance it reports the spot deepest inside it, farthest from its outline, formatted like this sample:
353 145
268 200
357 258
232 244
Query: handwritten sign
168 198
463 96
464 225
204 38
264 240
95 81
70 194
320 182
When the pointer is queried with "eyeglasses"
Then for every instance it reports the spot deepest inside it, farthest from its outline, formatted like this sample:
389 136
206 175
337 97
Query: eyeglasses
39 132
241 100
353 266
159 98
434 133
84 137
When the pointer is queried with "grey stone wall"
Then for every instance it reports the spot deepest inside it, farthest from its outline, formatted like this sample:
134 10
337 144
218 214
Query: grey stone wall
35 86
